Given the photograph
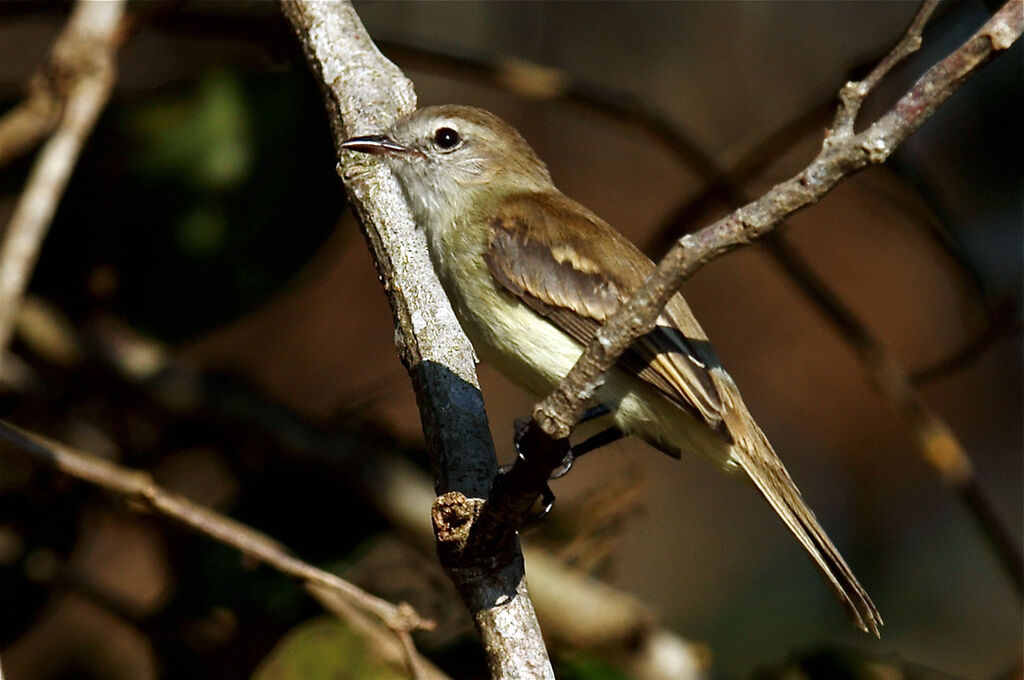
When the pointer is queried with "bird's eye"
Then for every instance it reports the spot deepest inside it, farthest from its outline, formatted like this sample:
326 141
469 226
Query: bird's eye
446 138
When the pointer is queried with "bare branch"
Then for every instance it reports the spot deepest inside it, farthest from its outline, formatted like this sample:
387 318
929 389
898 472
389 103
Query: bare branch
843 154
854 93
86 50
365 93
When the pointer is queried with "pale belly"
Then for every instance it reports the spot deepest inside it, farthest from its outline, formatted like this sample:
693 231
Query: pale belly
535 354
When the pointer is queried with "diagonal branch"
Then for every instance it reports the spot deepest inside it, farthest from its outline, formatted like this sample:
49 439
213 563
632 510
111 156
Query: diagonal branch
843 153
854 93
138 487
1004 321
30 120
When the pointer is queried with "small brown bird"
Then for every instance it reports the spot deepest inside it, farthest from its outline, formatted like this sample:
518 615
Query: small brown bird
531 275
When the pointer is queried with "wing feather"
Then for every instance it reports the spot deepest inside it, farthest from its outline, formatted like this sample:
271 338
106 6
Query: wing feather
554 255
557 257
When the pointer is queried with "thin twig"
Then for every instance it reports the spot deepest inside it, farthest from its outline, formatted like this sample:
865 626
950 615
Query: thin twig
843 153
853 94
87 50
726 187
138 486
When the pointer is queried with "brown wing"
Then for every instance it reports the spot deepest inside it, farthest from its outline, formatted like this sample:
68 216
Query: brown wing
556 256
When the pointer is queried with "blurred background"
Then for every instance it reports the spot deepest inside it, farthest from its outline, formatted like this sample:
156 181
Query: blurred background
205 308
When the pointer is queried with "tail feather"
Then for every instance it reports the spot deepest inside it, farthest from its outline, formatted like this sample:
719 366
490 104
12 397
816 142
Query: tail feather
754 454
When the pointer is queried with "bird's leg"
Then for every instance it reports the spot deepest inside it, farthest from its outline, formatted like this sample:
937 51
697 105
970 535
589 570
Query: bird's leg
592 443
547 496
602 438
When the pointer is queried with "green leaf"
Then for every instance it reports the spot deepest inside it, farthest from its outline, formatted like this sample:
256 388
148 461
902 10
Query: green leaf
325 649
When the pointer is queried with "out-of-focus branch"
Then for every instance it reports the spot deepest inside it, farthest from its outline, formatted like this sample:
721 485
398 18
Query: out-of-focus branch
365 92
28 123
83 60
843 153
1004 321
578 611
936 441
138 487
392 649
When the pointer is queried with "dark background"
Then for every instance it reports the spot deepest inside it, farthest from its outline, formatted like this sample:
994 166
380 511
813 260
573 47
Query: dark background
205 213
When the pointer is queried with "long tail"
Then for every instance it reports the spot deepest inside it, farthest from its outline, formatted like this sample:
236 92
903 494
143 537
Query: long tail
754 454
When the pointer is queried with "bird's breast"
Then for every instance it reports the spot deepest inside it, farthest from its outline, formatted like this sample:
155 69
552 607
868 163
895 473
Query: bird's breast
504 331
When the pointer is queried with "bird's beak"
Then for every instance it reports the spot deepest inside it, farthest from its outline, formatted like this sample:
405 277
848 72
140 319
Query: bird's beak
379 145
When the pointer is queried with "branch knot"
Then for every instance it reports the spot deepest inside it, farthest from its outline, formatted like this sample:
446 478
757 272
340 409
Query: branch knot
453 515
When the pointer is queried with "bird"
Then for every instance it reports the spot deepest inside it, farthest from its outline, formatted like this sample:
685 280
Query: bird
532 274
